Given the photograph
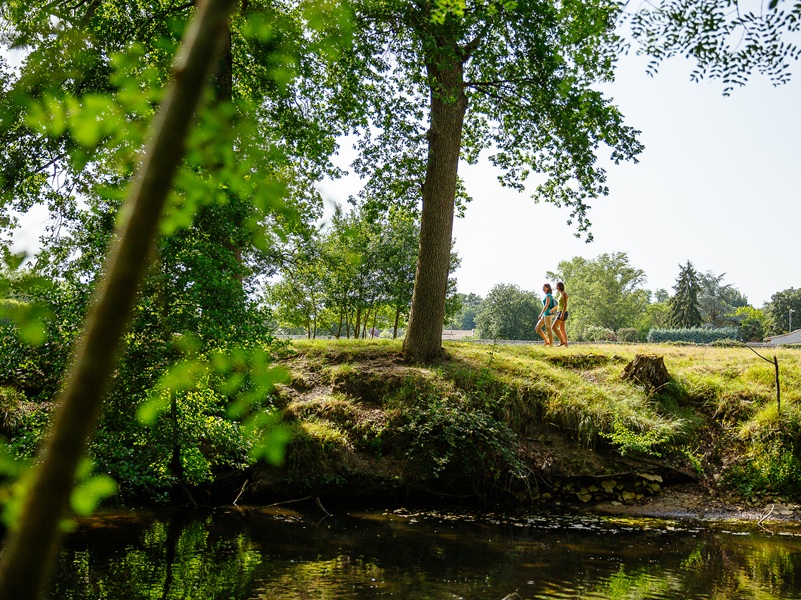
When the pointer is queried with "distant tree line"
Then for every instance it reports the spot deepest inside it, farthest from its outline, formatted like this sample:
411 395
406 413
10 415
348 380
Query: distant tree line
608 301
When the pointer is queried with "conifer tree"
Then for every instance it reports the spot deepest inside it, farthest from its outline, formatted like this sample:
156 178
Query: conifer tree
684 311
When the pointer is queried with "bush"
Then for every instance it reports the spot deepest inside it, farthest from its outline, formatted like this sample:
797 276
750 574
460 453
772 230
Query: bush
696 335
628 334
595 333
772 461
459 442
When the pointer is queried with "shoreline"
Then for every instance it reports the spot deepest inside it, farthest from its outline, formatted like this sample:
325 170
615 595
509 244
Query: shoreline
693 502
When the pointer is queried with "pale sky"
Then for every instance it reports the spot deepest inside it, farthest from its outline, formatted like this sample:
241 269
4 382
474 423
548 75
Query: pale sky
717 184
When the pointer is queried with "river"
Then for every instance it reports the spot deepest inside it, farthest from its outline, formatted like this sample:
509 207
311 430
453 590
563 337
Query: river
266 553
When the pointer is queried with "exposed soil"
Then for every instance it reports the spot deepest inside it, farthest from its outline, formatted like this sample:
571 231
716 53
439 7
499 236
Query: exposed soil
695 502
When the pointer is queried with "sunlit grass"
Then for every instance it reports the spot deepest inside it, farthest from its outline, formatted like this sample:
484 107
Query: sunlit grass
723 396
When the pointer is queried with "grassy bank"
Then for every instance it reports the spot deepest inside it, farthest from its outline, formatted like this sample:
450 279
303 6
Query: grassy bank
533 423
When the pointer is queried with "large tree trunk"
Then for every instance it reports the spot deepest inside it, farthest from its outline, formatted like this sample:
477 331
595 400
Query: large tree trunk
423 340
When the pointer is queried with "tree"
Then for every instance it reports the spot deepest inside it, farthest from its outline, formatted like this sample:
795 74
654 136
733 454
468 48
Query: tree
657 316
468 307
516 78
717 301
360 269
778 311
30 551
93 64
752 322
727 40
508 313
684 311
604 292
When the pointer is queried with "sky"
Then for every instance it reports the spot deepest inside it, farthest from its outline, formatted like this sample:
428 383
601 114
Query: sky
717 184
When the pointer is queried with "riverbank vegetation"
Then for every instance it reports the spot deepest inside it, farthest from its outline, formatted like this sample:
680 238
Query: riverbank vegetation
531 423
511 424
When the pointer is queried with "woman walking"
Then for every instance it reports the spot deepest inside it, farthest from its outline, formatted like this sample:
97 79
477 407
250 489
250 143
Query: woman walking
561 315
547 315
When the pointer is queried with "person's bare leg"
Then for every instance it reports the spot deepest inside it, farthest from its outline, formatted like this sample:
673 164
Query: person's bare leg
540 325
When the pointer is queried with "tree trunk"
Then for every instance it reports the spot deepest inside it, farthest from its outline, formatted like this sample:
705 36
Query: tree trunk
397 320
423 340
30 550
648 370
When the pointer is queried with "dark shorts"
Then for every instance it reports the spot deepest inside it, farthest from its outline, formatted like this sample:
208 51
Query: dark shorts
562 316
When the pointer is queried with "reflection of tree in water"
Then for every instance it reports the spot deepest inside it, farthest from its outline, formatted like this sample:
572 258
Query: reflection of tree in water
720 566
254 555
180 557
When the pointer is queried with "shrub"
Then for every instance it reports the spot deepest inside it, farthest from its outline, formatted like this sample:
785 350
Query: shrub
727 343
628 334
596 333
696 335
458 443
629 441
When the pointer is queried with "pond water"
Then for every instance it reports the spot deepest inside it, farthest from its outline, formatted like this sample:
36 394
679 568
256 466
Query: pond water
255 553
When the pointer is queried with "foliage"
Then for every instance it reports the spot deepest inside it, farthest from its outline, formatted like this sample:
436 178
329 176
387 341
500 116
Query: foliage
628 441
465 318
772 463
454 440
188 420
595 333
695 335
727 343
351 278
604 292
717 301
752 322
508 313
656 316
628 334
727 40
778 311
684 310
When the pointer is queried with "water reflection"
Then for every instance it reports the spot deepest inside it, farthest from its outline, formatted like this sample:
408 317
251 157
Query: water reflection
260 554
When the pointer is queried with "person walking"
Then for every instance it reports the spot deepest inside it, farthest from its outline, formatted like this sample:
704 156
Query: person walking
561 314
547 314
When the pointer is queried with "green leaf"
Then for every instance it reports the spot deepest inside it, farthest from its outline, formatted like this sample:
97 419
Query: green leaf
89 494
148 411
272 436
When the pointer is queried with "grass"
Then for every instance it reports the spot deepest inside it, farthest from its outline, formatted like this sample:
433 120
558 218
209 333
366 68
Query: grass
718 416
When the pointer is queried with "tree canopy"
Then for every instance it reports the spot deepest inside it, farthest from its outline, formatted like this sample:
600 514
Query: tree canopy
439 85
728 40
508 313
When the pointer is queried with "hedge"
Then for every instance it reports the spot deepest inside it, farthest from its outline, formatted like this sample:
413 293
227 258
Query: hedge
696 335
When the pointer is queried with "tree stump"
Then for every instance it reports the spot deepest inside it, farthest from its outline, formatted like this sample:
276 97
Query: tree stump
647 370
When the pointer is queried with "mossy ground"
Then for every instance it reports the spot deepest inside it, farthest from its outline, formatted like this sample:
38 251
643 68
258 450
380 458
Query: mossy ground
526 423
